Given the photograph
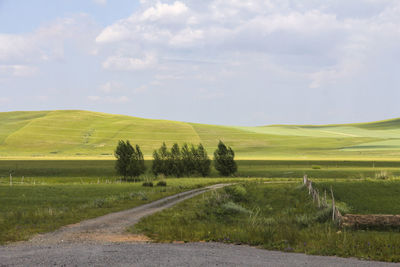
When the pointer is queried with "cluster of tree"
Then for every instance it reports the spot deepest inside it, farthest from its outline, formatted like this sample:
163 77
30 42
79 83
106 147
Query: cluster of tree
130 161
185 161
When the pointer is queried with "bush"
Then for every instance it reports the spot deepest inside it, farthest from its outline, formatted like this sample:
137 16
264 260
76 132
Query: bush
315 167
162 183
149 184
304 220
324 215
237 193
231 208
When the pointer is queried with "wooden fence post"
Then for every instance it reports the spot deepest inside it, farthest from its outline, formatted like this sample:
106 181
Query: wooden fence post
333 205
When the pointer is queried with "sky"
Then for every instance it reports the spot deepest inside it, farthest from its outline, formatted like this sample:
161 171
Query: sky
229 62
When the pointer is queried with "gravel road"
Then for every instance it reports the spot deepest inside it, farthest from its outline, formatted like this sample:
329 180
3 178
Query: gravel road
103 242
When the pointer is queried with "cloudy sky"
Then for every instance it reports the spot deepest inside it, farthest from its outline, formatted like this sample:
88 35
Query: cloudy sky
232 62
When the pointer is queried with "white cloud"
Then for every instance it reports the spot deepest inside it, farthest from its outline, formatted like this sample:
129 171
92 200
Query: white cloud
100 2
109 99
112 86
129 63
46 43
18 70
163 11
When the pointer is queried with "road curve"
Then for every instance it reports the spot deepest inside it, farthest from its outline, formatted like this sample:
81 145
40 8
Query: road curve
103 241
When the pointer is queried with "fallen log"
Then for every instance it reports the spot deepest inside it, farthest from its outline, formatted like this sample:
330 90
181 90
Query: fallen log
375 220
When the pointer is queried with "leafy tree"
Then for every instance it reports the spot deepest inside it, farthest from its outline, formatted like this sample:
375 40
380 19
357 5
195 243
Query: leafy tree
162 161
156 168
203 161
123 153
179 162
136 165
224 160
176 166
187 160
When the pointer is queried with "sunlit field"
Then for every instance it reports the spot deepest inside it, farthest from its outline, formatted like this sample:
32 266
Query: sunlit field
92 135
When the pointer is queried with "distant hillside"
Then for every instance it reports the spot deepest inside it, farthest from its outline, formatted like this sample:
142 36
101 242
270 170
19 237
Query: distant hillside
73 133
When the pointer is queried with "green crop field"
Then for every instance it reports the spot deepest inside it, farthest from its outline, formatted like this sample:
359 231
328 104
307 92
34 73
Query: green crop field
82 134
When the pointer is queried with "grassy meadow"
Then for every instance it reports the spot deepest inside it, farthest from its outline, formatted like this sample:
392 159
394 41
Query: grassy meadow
272 216
74 134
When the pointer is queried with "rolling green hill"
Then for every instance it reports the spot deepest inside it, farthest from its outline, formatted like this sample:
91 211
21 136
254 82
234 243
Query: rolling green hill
84 134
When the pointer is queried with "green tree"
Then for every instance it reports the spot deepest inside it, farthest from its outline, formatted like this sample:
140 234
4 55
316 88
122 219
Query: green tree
136 165
157 163
203 161
176 161
188 160
162 161
224 161
123 153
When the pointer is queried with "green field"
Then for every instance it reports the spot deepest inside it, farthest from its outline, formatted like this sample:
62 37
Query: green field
272 216
366 197
83 134
31 208
67 170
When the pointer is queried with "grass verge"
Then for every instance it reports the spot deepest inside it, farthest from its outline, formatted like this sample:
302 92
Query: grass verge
272 216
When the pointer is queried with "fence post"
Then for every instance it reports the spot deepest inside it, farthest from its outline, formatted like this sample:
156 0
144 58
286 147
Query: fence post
333 205
10 179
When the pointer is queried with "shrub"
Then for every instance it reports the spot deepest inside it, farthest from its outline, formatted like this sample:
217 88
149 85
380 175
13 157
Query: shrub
231 208
315 167
149 184
324 215
162 183
304 220
237 193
